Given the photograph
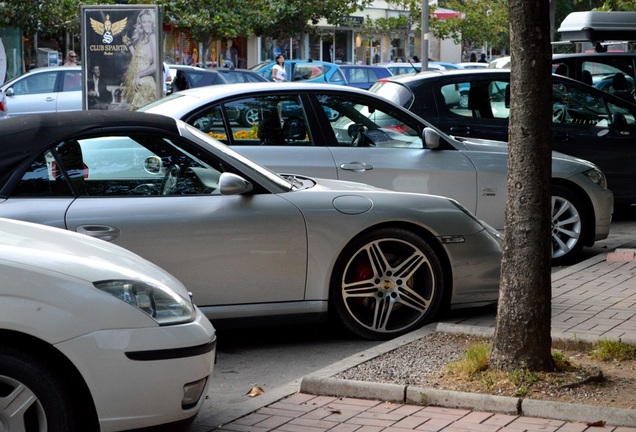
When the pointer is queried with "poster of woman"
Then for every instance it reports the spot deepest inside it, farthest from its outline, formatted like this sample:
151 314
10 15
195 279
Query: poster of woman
124 41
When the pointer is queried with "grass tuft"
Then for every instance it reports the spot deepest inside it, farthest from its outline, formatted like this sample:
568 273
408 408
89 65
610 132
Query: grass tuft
474 361
613 349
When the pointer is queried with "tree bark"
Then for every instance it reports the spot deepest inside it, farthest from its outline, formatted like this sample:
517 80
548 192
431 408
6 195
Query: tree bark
522 334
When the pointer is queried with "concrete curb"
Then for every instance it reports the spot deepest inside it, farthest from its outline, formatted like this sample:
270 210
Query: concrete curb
578 412
463 400
413 395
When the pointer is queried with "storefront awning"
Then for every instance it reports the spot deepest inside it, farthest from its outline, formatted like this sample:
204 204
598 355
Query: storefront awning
442 13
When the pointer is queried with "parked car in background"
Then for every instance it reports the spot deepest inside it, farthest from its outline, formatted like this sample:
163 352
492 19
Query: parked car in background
445 65
587 123
364 76
473 65
499 63
185 77
618 84
93 337
234 75
581 66
250 245
314 71
352 134
48 89
409 68
600 70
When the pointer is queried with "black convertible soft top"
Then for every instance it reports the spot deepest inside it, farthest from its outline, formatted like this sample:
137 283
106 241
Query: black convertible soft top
21 137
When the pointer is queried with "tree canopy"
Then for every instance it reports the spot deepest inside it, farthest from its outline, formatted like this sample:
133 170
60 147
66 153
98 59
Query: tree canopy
483 21
480 22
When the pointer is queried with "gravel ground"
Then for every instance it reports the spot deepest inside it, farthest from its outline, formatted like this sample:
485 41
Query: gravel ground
412 363
422 363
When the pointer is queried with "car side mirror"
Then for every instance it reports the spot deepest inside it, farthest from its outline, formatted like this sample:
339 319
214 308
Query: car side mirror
9 91
153 165
431 138
232 184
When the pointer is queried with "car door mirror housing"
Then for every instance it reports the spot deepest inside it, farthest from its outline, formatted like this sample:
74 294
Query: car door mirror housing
232 184
9 91
431 138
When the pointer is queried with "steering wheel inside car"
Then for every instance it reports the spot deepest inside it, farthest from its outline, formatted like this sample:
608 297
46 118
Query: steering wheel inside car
169 183
559 115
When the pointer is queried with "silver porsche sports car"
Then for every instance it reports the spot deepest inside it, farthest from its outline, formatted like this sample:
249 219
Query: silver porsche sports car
249 244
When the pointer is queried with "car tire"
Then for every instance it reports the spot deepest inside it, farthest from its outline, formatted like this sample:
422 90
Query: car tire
568 225
386 283
249 116
32 396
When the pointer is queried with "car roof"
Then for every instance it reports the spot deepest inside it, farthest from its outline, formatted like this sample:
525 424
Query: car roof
48 68
23 136
407 78
237 89
189 67
593 54
230 70
416 76
302 61
349 66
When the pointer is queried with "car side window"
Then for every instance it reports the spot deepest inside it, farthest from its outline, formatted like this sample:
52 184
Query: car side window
306 71
35 84
358 76
72 81
480 99
573 106
43 179
266 120
604 70
621 116
119 165
359 123
337 77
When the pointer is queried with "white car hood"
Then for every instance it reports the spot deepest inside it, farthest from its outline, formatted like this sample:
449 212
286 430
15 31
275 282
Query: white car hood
77 255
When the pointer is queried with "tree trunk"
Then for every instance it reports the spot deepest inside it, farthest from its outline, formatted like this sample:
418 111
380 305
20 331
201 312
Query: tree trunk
522 334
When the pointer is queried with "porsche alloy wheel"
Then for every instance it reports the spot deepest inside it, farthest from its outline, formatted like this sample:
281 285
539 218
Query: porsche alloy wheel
387 283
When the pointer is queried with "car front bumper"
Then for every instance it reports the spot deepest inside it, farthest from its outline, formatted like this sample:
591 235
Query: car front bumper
146 376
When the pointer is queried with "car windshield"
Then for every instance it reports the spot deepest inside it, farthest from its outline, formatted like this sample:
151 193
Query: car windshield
161 101
394 92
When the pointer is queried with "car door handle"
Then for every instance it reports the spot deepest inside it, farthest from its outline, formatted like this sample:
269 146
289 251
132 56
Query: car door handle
99 231
50 99
356 166
461 129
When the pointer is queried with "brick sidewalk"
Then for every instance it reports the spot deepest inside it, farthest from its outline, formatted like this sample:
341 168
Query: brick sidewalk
592 300
308 413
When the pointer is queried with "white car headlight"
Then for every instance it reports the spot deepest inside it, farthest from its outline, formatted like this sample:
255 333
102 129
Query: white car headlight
162 304
597 177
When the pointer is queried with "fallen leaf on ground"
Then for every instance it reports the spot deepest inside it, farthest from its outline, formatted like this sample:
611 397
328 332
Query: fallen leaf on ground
255 391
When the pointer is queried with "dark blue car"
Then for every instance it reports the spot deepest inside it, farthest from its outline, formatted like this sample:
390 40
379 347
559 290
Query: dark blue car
363 76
